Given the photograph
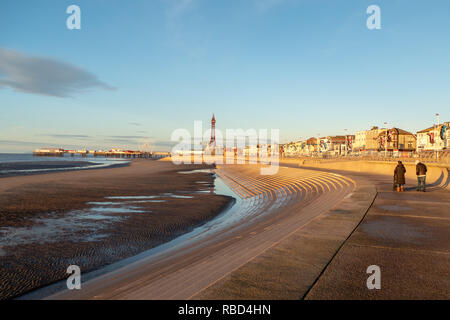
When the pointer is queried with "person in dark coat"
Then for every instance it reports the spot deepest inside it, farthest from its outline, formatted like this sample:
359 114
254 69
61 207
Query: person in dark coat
399 176
421 172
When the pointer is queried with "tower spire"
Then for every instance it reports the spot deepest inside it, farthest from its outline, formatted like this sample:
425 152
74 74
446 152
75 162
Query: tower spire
213 131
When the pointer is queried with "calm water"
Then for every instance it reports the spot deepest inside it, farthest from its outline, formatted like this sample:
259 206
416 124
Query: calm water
23 163
22 157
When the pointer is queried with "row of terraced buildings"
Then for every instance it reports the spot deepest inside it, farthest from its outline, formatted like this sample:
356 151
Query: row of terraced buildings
435 139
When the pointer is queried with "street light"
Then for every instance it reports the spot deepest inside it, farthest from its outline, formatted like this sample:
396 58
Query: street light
318 144
436 138
346 142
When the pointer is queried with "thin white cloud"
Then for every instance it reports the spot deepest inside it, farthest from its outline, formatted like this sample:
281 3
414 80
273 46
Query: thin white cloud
45 76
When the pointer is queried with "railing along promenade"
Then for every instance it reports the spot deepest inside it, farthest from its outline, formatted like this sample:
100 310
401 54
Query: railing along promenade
438 158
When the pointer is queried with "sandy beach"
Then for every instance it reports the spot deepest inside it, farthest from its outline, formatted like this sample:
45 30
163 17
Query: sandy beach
92 218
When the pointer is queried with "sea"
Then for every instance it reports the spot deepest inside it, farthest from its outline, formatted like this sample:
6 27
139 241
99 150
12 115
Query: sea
12 164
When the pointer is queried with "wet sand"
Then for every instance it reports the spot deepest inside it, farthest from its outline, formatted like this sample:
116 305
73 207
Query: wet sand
94 218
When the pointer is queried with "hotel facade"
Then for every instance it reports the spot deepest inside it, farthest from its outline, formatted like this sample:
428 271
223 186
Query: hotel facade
435 138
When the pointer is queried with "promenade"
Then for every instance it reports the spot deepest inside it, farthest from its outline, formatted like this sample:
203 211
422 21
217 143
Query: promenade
308 232
405 234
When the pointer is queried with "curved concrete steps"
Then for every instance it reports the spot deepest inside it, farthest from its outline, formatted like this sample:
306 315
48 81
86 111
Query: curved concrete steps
270 209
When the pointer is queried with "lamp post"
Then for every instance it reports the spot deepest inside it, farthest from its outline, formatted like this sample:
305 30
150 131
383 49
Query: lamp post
346 142
437 135
318 144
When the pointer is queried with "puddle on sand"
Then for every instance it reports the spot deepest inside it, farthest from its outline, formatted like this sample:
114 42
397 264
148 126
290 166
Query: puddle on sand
143 199
96 217
77 226
107 209
85 225
199 170
102 203
132 197
177 196
147 201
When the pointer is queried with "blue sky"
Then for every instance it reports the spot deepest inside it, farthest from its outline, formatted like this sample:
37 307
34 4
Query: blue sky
141 69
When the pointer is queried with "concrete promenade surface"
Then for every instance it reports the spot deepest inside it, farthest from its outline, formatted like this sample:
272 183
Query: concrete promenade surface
407 235
308 232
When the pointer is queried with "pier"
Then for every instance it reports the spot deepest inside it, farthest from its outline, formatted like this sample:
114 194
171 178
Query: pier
113 153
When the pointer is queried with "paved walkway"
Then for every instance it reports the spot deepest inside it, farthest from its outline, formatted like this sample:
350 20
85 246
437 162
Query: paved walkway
408 236
405 234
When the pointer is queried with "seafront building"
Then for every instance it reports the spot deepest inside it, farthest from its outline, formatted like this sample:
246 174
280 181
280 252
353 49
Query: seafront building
435 138
335 145
293 149
376 142
396 139
367 140
311 146
327 146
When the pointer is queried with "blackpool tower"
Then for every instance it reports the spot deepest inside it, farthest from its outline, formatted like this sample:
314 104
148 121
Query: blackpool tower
212 142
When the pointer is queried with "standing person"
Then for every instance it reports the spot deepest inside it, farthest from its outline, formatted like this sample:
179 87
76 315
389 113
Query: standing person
421 172
399 176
